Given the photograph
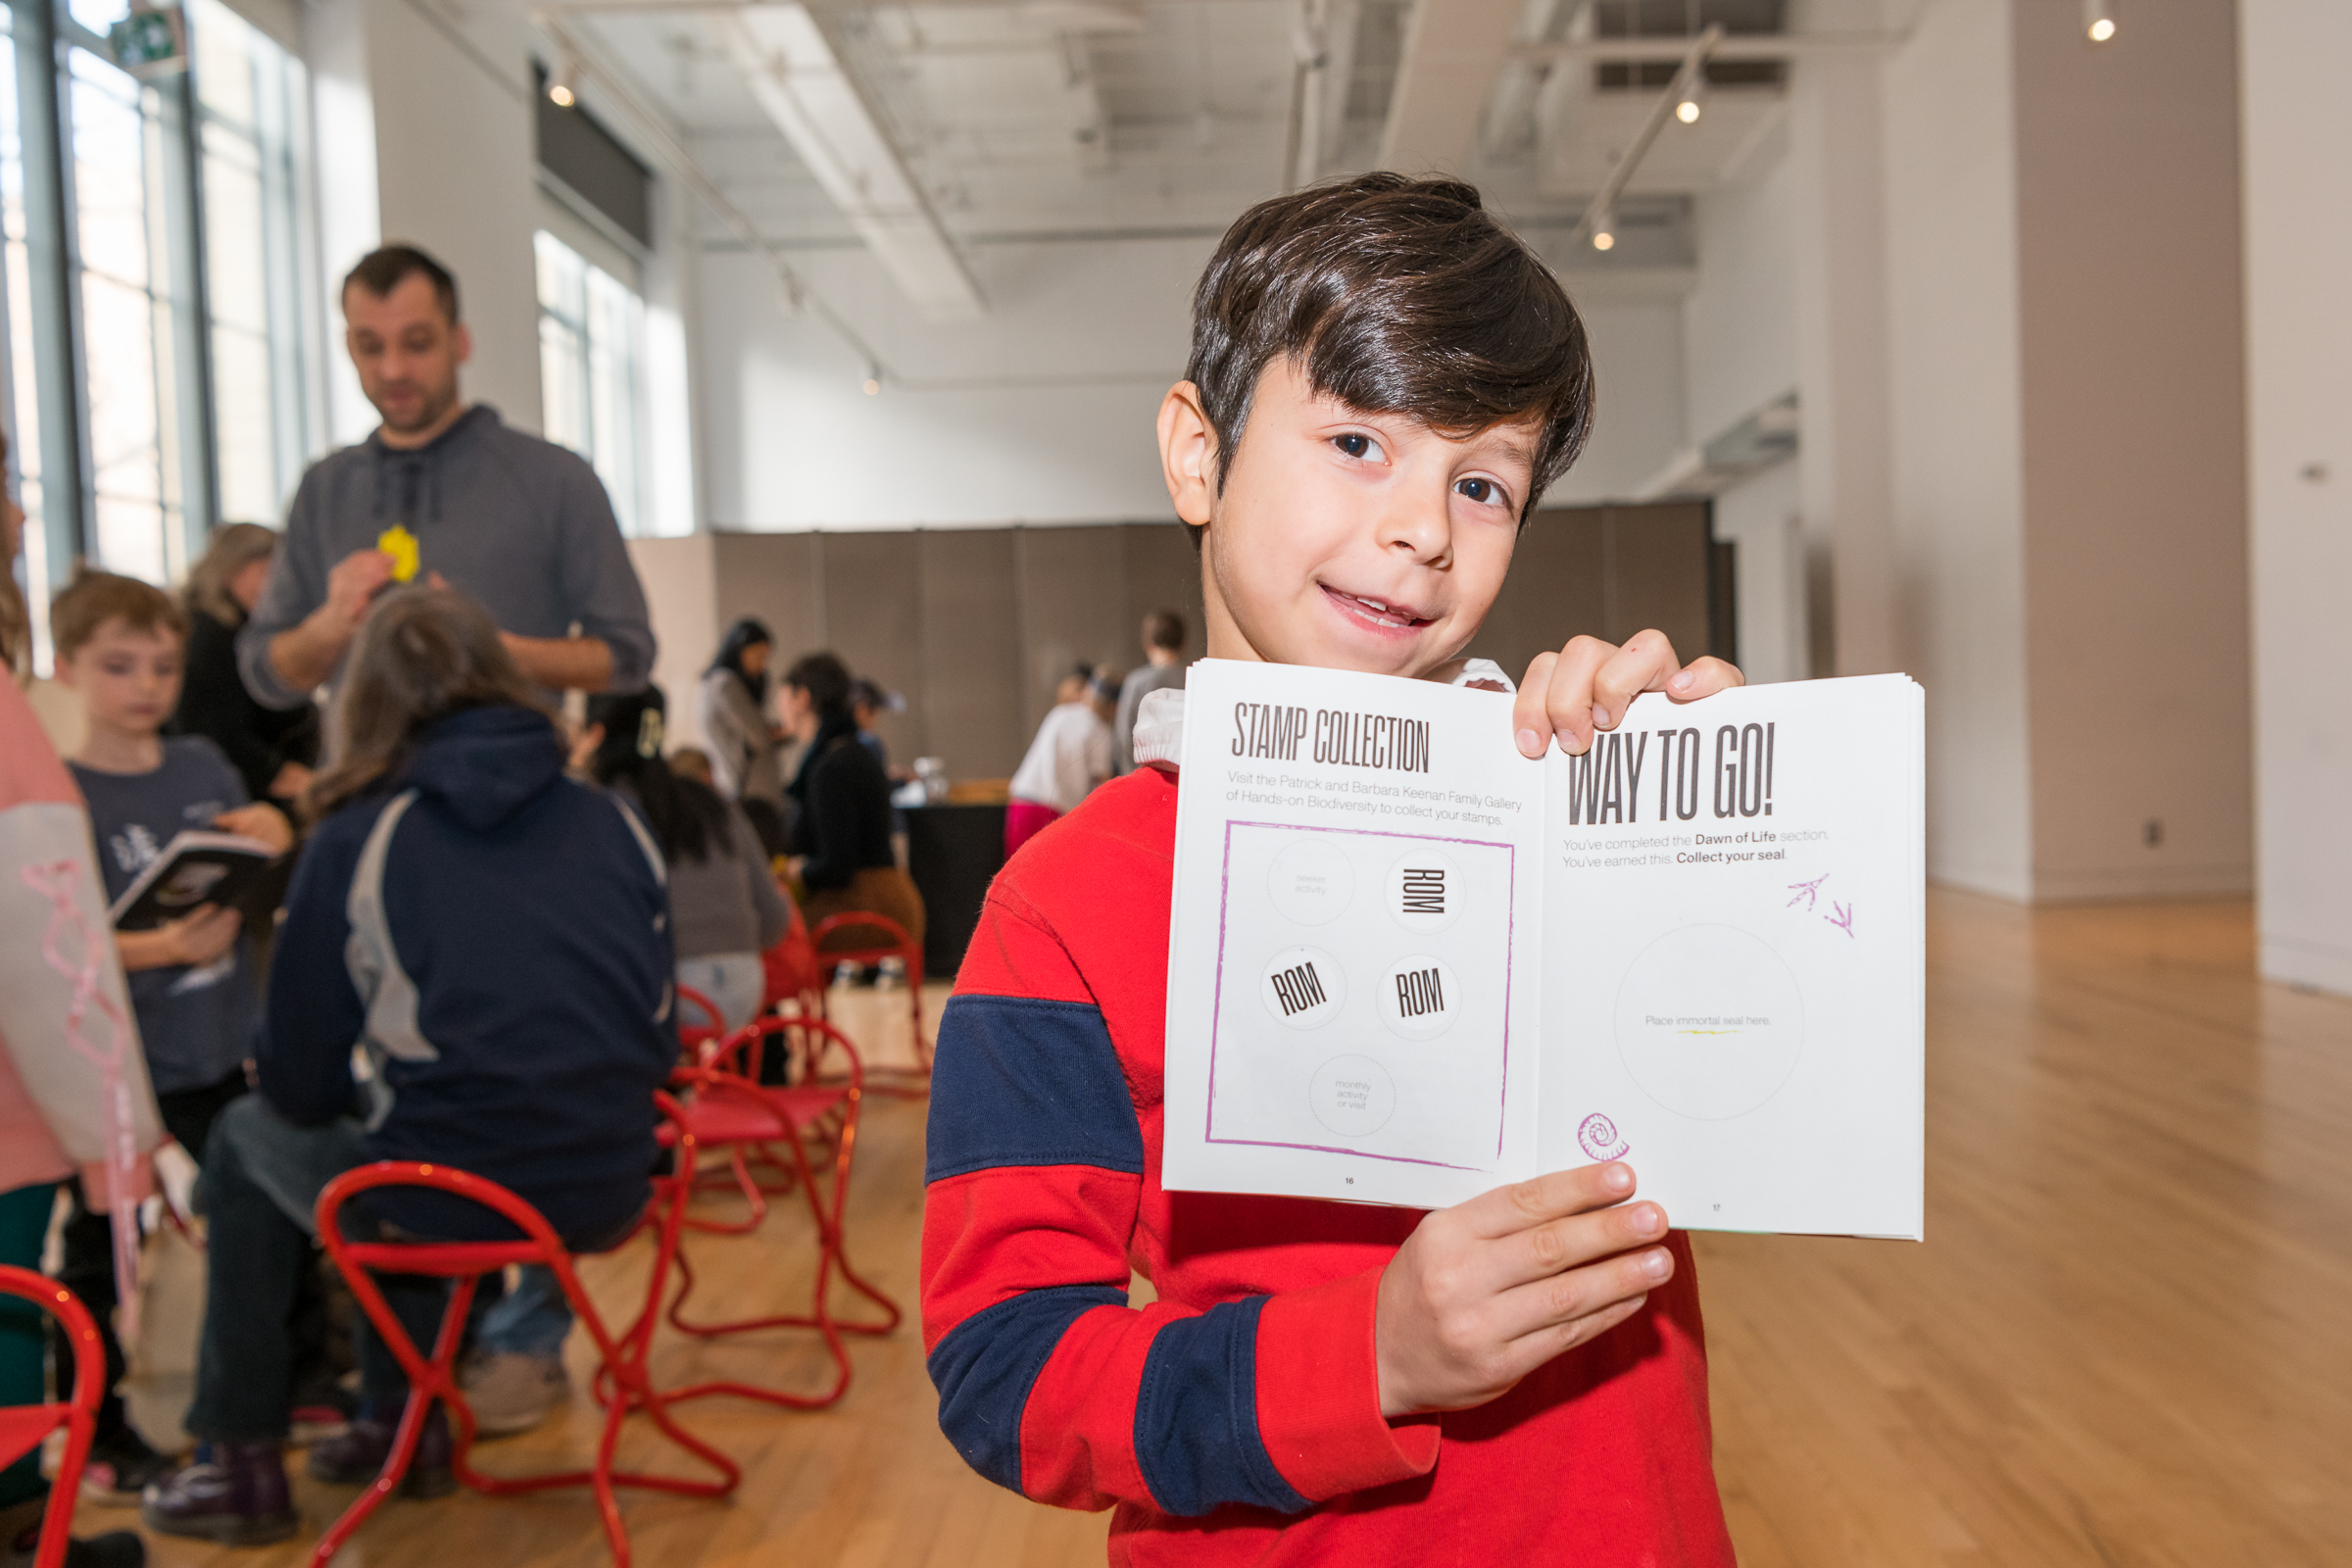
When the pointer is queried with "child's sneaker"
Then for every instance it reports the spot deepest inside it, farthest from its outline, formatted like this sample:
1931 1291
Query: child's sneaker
119 1468
510 1393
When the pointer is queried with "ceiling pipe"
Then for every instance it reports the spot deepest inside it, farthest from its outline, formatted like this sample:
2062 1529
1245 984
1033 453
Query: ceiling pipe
1599 212
1750 46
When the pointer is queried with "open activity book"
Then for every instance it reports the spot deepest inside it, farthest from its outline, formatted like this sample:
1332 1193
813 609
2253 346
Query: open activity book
1407 964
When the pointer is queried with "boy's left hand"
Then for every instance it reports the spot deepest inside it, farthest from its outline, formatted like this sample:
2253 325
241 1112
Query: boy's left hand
1587 685
260 820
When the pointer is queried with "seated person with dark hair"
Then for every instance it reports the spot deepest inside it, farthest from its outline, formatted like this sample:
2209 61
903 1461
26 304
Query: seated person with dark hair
841 838
495 937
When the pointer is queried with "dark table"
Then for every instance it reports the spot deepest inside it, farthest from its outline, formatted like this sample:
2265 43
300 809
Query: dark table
952 853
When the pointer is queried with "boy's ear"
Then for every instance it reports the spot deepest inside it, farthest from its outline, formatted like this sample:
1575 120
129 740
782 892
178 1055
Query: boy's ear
1187 453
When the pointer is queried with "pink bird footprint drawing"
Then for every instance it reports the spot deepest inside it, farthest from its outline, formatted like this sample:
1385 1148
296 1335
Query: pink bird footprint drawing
1843 919
1807 892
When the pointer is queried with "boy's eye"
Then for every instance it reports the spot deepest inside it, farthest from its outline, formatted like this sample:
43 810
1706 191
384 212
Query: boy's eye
1481 491
1355 444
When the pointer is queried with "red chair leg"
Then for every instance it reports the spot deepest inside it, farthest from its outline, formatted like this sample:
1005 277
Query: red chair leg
621 1362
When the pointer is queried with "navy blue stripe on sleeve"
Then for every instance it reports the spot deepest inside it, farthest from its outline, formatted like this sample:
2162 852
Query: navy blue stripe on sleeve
1196 1417
986 1366
1018 1081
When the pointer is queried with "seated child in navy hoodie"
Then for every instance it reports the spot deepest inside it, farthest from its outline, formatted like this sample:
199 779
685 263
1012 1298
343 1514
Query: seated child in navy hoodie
495 937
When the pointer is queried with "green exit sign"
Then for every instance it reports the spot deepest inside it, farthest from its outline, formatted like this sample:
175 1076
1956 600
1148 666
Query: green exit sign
151 42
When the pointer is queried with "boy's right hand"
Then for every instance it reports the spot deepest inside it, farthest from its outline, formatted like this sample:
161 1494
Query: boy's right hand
194 939
1484 1293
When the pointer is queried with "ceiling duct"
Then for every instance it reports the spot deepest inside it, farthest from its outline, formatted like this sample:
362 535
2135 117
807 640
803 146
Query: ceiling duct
796 71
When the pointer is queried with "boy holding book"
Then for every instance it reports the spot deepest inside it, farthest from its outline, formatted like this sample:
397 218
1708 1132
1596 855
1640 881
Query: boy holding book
120 645
1383 381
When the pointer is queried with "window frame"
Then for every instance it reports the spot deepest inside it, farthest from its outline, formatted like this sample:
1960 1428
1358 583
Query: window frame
59 473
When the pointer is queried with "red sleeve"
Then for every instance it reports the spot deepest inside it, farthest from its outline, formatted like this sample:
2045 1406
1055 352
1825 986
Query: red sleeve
1049 1383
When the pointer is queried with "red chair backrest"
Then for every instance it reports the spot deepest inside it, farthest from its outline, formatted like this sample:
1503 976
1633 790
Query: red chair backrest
884 938
793 971
732 1065
27 1426
23 1428
693 1036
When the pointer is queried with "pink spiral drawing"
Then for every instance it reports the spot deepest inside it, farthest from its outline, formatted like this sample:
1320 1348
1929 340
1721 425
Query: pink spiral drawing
55 882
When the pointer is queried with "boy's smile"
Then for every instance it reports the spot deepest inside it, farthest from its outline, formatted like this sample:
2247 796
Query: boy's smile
1345 539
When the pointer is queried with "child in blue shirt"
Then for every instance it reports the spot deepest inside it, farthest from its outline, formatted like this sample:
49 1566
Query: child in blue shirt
120 645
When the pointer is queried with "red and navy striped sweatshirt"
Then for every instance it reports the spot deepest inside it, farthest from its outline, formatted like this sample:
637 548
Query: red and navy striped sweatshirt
1237 1419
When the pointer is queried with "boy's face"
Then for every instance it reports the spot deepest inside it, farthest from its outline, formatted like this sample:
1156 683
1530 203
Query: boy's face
1344 539
129 680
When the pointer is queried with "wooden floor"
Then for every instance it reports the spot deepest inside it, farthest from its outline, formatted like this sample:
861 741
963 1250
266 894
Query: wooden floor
2127 1339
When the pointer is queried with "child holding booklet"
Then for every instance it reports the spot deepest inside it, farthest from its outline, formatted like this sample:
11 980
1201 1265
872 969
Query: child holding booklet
1383 381
122 644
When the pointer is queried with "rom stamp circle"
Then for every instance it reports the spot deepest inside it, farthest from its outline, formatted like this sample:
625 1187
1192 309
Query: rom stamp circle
1710 1023
1423 891
1304 987
1352 1096
1420 997
1597 1136
1312 882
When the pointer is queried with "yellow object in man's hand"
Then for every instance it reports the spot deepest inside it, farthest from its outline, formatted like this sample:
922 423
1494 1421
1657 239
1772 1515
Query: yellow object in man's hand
401 545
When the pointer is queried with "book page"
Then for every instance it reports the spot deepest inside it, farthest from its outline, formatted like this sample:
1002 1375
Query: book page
1734 987
1350 1004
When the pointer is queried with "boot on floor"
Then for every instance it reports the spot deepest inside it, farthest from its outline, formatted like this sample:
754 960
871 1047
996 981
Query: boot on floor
236 1493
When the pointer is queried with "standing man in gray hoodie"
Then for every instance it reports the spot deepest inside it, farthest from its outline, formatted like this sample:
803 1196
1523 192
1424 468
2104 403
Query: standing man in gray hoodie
443 491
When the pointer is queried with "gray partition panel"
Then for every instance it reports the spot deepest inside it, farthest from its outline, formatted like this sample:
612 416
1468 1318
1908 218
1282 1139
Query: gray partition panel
1163 572
875 621
1554 591
1073 597
774 576
1657 574
970 692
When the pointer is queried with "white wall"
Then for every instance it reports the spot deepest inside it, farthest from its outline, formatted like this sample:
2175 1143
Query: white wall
1638 396
2132 372
1764 519
2298 251
1739 318
1040 410
425 135
1955 439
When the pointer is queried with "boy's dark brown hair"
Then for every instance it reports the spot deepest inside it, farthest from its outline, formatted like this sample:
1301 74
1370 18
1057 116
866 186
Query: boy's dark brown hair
380 272
1394 295
94 597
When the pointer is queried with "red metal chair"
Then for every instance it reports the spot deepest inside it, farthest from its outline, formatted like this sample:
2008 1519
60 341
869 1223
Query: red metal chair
882 938
694 1037
463 1263
23 1428
794 974
725 1107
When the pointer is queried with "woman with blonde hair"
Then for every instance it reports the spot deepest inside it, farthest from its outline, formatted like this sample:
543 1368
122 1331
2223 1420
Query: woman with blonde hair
271 749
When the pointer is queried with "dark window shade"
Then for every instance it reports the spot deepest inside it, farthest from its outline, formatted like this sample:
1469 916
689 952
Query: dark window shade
594 165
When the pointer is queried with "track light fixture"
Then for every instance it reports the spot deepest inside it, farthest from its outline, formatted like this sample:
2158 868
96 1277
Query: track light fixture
1604 232
563 86
872 386
2099 19
1694 101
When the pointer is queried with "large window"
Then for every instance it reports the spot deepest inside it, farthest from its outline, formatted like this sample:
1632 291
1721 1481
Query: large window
155 370
257 288
591 353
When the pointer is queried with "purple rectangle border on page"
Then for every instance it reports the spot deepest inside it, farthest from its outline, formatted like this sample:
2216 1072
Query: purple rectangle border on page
1216 1000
